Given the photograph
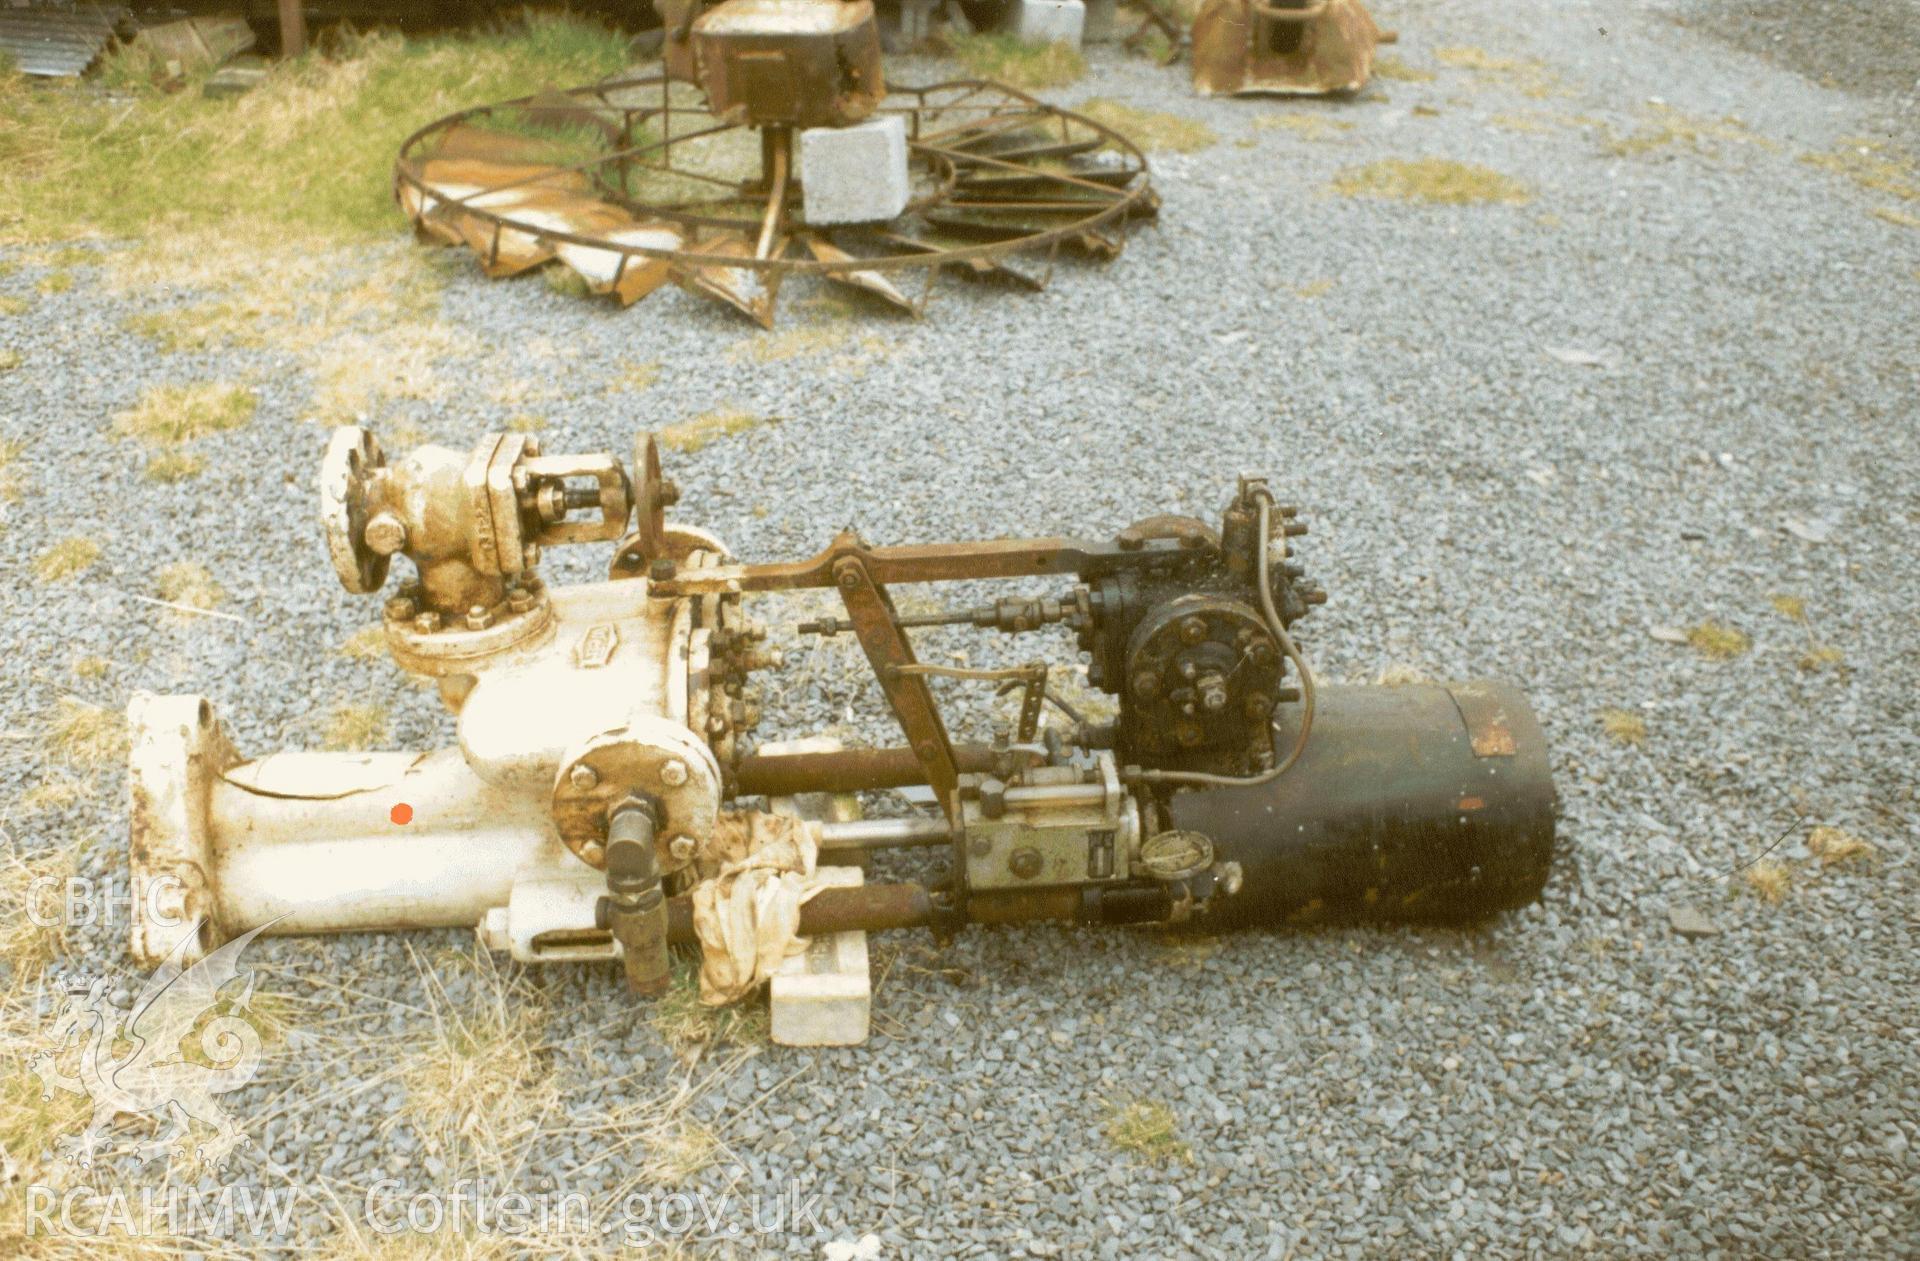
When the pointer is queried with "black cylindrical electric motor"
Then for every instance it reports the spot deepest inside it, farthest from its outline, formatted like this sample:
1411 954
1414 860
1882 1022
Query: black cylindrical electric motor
1414 803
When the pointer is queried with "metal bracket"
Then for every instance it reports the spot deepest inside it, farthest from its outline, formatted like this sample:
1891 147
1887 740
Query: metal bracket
877 626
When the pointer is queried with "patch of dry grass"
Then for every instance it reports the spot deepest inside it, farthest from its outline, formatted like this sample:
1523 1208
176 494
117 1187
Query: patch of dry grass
691 435
86 737
480 1084
1526 76
1439 181
1872 165
639 377
1833 846
66 559
91 667
13 305
682 1150
56 282
1769 879
185 582
1314 289
774 347
1148 1129
171 414
9 360
1153 131
1309 126
32 888
369 643
173 466
357 728
11 483
1401 674
1669 128
1395 70
1623 726
1023 65
55 792
1896 217
1718 641
1818 655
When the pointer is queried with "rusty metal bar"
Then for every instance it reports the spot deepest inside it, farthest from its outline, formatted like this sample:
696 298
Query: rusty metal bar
939 562
912 700
845 770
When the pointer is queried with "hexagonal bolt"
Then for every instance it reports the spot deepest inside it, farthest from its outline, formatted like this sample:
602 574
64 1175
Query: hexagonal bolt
385 534
519 599
593 852
1146 684
1025 863
1193 629
583 777
427 623
401 609
673 772
479 617
682 847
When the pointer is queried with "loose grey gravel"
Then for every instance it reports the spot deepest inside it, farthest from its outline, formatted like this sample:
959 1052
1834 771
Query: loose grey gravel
1574 1078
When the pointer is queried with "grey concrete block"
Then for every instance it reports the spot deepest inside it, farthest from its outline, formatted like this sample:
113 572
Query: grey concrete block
854 174
1050 21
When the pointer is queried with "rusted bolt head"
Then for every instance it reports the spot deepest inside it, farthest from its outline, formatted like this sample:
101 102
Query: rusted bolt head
1146 684
1188 733
1213 694
669 492
1193 629
479 617
385 534
427 623
681 847
673 772
662 570
849 577
583 777
519 600
401 609
925 750
529 556
1257 706
593 852
1025 863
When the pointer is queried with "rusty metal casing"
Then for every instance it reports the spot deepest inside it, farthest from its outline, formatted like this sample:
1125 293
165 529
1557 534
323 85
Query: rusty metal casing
798 63
1420 803
1287 47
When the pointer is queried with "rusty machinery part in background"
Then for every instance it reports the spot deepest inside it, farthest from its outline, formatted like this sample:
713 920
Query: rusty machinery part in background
636 183
1283 47
604 752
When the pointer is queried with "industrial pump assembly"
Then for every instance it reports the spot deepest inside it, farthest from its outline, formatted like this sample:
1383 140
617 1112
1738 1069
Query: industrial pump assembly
603 797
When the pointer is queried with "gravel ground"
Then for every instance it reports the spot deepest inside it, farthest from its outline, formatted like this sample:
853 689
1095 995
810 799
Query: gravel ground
1729 417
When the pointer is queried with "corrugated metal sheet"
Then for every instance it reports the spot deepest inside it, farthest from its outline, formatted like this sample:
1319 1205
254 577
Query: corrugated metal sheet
57 43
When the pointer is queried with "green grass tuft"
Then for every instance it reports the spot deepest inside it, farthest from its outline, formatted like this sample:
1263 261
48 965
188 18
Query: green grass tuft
1014 61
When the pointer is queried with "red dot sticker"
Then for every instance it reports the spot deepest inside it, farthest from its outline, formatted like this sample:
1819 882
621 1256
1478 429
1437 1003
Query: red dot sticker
402 813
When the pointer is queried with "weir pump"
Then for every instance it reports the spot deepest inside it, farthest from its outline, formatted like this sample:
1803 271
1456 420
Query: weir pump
600 800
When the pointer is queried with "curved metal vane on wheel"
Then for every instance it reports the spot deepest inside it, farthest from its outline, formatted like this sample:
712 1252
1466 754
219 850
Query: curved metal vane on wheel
639 182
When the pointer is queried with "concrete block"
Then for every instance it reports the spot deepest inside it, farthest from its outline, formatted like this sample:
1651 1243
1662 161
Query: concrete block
854 174
1050 21
823 996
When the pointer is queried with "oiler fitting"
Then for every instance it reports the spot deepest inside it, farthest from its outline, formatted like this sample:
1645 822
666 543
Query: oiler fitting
636 904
